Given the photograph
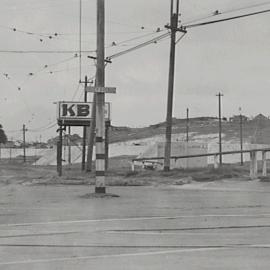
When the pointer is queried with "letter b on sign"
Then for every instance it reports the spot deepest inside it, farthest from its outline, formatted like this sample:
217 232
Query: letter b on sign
83 110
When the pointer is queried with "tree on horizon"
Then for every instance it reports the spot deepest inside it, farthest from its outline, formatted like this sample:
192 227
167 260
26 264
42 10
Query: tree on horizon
3 137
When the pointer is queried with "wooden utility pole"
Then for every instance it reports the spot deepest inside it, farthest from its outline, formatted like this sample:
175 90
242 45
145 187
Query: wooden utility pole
219 95
100 100
59 151
107 127
92 135
24 150
187 126
241 137
174 14
10 149
84 128
69 145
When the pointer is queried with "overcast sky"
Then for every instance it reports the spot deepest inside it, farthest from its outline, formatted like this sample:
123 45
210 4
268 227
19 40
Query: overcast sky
231 57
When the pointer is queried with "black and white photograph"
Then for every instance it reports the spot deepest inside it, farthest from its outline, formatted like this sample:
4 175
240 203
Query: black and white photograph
134 134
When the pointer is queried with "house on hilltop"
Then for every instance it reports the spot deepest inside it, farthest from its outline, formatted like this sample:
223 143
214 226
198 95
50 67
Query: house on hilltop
260 117
236 118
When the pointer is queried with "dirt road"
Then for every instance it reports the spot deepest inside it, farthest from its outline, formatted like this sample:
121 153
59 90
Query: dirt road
218 225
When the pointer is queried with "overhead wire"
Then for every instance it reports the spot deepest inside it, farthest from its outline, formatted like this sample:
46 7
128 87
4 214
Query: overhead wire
57 34
80 39
40 36
13 131
44 127
154 40
180 38
66 69
80 51
113 44
12 84
226 19
61 34
76 91
45 67
142 27
245 7
200 18
219 12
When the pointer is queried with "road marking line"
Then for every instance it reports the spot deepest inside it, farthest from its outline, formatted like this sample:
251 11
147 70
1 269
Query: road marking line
131 219
194 228
150 253
161 233
37 234
220 189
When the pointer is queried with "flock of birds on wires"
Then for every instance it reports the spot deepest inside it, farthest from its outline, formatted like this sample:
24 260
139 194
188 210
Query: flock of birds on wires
146 37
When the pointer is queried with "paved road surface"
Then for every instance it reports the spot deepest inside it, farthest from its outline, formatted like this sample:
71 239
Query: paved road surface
224 225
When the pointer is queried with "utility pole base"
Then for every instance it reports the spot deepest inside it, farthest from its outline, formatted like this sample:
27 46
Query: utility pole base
166 168
100 190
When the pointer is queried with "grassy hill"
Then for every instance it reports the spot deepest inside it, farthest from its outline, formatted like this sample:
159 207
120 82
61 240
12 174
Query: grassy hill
254 131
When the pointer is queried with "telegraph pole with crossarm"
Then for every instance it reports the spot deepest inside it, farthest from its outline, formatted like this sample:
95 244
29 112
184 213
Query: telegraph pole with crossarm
174 29
100 91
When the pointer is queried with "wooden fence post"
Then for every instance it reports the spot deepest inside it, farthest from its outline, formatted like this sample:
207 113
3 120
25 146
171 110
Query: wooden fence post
264 164
216 161
253 165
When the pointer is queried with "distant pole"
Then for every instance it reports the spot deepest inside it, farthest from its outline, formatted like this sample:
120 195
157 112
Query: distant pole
100 186
174 14
24 151
69 145
187 125
241 136
10 149
59 151
84 128
219 95
107 127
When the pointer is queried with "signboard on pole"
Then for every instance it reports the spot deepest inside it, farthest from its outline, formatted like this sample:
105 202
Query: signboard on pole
72 113
99 89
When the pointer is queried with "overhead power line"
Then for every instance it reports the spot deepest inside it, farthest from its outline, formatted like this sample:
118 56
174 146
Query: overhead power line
244 8
151 41
226 19
80 39
80 51
114 43
43 129
219 12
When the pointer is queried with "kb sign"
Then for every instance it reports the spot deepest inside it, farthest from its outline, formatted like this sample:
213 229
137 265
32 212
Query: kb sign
78 111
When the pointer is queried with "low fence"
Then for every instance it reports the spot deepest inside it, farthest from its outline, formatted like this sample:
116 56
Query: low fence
253 159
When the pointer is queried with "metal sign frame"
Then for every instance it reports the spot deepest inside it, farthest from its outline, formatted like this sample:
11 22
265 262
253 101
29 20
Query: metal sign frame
81 120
